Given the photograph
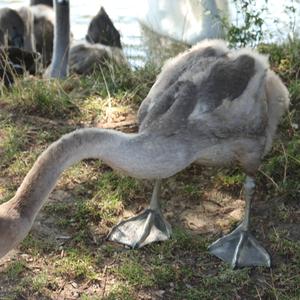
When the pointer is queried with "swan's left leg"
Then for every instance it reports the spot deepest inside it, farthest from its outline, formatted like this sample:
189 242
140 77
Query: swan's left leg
150 226
240 248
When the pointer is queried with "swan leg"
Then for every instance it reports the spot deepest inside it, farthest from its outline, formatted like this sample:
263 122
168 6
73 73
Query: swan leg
240 248
145 228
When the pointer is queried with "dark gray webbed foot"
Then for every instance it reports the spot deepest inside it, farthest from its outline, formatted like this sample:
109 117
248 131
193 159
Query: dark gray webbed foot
148 227
138 231
241 249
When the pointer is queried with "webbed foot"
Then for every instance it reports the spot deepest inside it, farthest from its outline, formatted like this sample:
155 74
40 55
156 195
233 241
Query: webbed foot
138 231
241 249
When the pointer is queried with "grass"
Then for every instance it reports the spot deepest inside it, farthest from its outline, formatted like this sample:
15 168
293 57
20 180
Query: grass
41 97
120 292
15 269
66 256
76 265
13 139
134 273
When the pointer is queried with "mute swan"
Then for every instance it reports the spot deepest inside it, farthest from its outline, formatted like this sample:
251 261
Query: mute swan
187 21
83 57
15 61
28 19
209 105
44 19
102 46
17 28
17 52
13 27
102 30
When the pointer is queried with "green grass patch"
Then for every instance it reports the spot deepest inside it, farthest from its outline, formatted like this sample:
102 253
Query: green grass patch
133 272
38 245
13 139
107 195
46 98
15 269
120 292
76 265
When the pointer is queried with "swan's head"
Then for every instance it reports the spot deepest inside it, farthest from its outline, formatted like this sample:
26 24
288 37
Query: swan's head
13 228
102 30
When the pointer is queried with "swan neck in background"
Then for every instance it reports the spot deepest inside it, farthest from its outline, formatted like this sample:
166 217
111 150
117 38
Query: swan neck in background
59 64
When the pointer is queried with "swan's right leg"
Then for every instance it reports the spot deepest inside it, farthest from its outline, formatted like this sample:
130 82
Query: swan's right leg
240 248
148 227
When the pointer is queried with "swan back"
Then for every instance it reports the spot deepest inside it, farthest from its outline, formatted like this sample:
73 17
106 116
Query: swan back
28 18
214 94
193 61
85 57
44 19
13 27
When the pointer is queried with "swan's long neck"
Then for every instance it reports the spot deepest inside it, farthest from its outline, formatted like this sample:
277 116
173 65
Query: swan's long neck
60 57
135 154
71 148
211 19
29 40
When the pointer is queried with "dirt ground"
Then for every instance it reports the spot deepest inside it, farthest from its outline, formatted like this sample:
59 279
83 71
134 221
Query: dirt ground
66 255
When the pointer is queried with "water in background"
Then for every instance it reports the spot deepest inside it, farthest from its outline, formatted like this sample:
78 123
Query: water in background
124 14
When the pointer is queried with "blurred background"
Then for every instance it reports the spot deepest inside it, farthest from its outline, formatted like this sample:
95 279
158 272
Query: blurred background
279 17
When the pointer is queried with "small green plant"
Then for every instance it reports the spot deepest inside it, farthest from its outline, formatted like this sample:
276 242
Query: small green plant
76 265
120 292
15 269
134 273
36 246
248 31
13 140
39 97
39 282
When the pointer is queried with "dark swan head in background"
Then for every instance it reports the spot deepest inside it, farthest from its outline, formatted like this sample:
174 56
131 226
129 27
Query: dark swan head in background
81 57
44 2
102 31
102 46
